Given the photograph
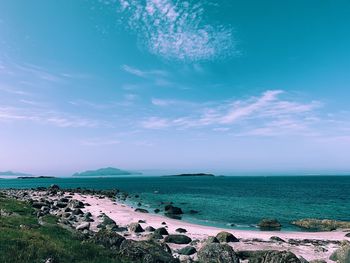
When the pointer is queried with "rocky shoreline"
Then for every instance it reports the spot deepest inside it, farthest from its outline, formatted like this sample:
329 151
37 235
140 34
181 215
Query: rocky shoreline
100 217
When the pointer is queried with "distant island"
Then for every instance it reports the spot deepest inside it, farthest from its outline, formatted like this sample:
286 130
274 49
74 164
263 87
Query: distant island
109 171
35 177
195 174
10 173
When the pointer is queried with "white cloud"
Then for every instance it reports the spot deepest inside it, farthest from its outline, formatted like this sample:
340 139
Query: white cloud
176 29
144 73
45 116
260 115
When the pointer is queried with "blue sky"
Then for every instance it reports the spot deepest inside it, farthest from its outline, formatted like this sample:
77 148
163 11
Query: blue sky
242 86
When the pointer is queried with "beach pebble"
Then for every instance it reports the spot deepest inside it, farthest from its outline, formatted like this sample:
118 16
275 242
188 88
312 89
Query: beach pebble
181 230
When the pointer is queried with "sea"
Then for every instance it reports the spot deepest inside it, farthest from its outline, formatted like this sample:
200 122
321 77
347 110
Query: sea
237 202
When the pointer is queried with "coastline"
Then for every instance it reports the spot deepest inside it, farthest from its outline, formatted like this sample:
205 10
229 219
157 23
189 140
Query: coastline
306 245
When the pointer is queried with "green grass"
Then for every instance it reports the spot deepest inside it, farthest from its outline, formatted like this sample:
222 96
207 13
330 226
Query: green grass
23 240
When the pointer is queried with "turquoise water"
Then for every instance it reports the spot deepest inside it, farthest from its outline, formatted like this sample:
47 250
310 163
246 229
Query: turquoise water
242 201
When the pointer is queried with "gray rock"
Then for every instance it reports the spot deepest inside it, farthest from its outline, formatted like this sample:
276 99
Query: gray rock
226 237
272 256
145 252
135 227
108 239
342 254
269 224
141 210
181 230
173 210
177 239
277 239
150 229
162 231
217 253
83 226
188 250
211 239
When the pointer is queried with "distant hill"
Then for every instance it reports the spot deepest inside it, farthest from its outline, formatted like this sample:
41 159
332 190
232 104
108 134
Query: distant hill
109 171
10 173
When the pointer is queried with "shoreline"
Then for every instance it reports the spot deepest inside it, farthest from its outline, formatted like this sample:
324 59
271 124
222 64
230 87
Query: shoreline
306 245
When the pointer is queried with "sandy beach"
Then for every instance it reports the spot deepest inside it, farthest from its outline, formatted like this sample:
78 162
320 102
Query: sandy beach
123 215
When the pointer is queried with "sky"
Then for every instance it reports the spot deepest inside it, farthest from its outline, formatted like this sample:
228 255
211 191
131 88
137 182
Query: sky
212 85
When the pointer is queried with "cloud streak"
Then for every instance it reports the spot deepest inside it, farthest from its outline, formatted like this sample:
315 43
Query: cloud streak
176 30
262 115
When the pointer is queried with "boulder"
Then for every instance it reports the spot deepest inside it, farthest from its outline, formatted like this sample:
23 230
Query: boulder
38 205
188 250
181 230
321 225
156 210
162 231
141 210
269 224
177 239
347 235
211 239
83 226
273 256
135 227
108 239
173 210
277 239
226 237
150 229
76 204
145 252
342 254
217 253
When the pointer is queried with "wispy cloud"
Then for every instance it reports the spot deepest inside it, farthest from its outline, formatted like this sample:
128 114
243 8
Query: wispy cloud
261 115
176 29
99 142
46 116
144 73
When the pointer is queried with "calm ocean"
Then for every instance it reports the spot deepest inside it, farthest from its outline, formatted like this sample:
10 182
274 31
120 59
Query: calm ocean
221 201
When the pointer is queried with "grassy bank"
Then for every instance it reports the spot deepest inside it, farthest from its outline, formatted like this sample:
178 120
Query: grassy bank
24 240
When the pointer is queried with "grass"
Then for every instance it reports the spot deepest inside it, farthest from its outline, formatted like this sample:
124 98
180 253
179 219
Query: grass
23 240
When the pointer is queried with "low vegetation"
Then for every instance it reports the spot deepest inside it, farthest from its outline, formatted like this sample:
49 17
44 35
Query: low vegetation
24 240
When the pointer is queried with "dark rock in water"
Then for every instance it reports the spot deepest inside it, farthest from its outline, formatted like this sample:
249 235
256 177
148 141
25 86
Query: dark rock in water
187 251
278 239
141 210
177 239
211 239
217 253
145 252
108 239
170 209
156 210
194 211
181 230
136 228
162 231
273 256
226 237
269 224
321 225
342 254
150 229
